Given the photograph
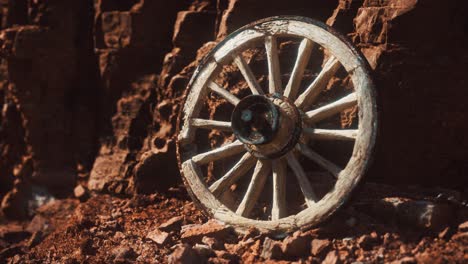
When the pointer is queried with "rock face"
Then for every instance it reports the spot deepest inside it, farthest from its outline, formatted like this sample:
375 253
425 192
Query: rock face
94 87
130 49
418 214
406 53
51 80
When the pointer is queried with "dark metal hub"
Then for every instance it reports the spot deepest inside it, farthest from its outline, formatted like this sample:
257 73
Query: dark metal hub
255 120
268 125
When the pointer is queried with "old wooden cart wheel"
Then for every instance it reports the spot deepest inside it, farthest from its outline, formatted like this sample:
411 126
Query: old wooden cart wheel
268 149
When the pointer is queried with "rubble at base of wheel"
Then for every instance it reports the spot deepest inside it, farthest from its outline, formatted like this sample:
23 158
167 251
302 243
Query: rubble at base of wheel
382 224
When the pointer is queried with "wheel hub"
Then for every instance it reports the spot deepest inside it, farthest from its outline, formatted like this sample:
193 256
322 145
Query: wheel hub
268 125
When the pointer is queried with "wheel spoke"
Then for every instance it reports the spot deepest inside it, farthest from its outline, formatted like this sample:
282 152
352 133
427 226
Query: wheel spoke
224 93
230 179
321 161
248 75
274 77
320 82
225 151
211 124
304 183
331 109
255 188
233 175
331 134
278 208
302 60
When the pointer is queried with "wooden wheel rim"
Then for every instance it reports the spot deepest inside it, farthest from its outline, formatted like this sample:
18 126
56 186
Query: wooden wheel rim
348 178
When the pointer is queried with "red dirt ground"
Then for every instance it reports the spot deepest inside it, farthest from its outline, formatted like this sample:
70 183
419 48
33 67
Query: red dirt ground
108 229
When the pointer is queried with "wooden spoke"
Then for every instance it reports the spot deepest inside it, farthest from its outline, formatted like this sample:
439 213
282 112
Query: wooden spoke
304 183
245 208
211 124
233 175
223 93
302 60
278 208
331 134
255 188
321 161
274 74
248 75
227 150
331 109
320 82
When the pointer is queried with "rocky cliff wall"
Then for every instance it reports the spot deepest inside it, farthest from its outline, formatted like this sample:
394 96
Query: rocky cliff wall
91 90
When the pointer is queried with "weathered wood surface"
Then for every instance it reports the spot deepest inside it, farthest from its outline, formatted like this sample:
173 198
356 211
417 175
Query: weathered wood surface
331 134
331 109
211 124
255 188
364 137
223 93
222 152
304 183
234 174
248 75
195 101
274 72
278 207
319 83
303 55
321 161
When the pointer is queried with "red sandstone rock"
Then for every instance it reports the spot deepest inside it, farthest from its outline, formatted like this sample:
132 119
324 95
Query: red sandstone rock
158 236
332 258
187 23
184 254
117 29
297 245
35 239
204 251
172 224
463 227
81 193
38 223
320 246
228 257
405 260
421 214
213 228
368 241
213 243
461 237
271 249
123 254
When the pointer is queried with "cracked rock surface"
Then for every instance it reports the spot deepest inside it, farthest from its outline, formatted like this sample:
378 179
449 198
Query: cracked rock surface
90 93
